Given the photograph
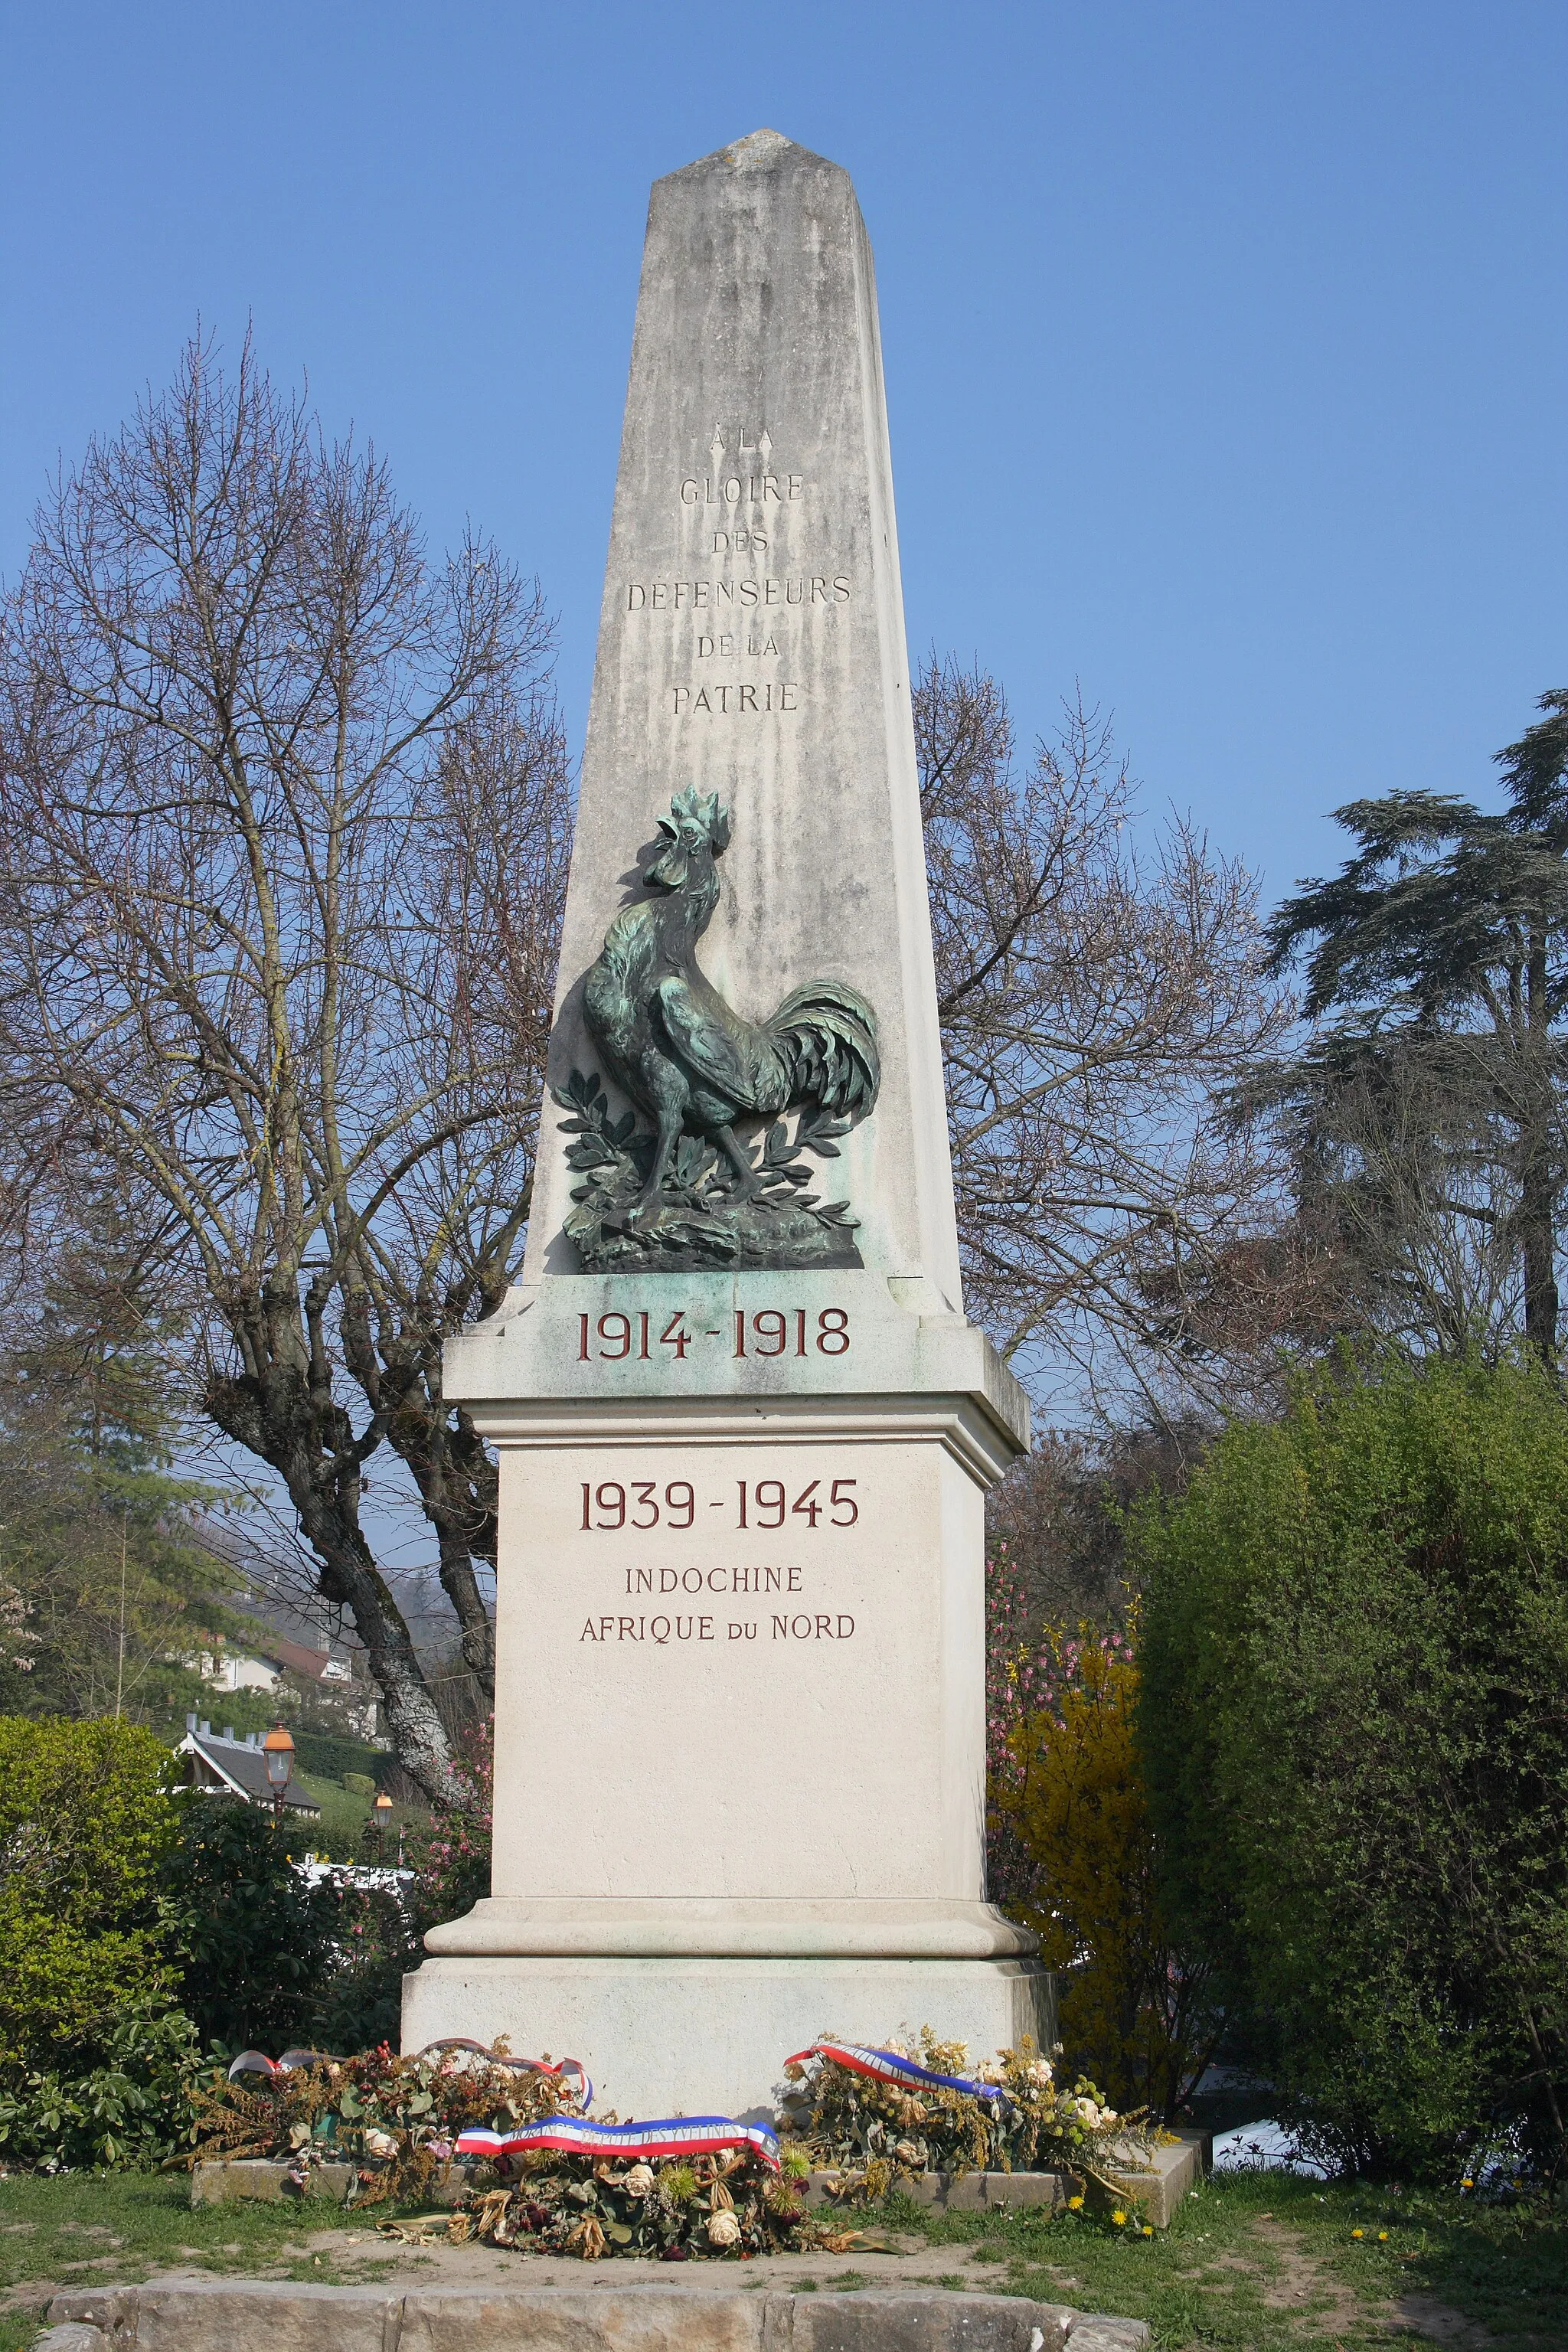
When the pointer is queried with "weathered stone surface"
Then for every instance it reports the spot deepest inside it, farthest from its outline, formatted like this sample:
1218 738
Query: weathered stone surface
237 2315
711 2036
110 2311
592 2319
262 2178
1157 2188
72 2336
752 645
261 2316
931 2322
256 2178
1159 2185
1095 2333
734 1499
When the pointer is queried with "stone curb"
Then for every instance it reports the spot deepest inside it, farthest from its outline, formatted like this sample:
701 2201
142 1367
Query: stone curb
263 2316
1171 2174
1156 2189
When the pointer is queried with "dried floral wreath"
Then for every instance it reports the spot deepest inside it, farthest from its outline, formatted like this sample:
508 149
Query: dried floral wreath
875 2116
396 2120
505 2144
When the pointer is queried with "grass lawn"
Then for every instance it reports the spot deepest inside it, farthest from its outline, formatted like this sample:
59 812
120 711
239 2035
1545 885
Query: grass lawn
119 2226
344 1812
1253 2263
340 1833
1263 2262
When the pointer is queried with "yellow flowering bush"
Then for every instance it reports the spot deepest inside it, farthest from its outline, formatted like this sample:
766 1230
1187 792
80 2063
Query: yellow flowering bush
1067 1787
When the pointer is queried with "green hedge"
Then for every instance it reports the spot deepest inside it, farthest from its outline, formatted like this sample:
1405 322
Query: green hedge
1355 1656
93 2047
327 1758
84 1826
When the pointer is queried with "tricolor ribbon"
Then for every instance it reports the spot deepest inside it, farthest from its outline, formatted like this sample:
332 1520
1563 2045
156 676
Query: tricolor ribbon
671 2136
520 2066
889 2066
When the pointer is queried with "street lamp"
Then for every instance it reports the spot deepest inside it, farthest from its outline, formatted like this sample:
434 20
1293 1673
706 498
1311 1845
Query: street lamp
278 1750
383 1815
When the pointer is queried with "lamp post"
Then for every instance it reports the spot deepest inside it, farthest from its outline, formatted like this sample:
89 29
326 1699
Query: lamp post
278 1750
383 1810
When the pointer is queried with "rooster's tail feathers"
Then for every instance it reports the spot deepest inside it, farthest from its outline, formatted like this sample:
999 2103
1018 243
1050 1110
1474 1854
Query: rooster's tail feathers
829 1032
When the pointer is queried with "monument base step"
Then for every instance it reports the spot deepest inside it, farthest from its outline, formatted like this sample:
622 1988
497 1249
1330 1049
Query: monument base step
186 2314
663 2036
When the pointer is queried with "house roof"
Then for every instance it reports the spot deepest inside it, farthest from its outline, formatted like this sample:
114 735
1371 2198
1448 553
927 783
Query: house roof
237 1768
314 1663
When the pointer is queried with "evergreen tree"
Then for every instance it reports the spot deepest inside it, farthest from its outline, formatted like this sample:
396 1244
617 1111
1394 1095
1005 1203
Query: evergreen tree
1428 1109
108 1586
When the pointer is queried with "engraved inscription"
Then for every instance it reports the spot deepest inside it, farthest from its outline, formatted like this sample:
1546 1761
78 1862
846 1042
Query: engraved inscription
611 1507
766 1332
725 646
682 1544
747 595
742 490
733 700
822 1626
666 1580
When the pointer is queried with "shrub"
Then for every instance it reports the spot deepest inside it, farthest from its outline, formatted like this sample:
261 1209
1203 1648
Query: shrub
126 2106
255 1941
1068 1787
84 1823
1355 1648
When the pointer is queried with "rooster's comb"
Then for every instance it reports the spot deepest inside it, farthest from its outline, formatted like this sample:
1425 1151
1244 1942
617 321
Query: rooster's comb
700 811
700 814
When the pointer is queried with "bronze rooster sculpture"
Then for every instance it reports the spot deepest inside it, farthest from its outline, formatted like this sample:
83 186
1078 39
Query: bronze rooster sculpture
686 1057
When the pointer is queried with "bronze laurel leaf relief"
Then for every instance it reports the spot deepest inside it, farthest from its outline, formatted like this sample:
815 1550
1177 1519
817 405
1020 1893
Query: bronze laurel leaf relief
686 1192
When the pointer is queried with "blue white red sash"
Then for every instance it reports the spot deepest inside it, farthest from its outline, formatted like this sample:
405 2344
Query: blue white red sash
584 2092
672 2135
889 2066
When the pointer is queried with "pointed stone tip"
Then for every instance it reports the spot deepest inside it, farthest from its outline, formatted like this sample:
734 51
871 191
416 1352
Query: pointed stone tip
760 150
757 147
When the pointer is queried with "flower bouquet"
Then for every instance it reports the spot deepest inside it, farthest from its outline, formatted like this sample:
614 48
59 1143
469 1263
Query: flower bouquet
879 2115
396 2120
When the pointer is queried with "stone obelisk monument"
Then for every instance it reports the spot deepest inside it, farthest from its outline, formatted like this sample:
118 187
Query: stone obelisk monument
744 1428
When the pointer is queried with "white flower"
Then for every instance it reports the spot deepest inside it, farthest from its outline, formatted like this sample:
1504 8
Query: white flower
639 2181
1088 2111
1040 2073
380 2143
723 2230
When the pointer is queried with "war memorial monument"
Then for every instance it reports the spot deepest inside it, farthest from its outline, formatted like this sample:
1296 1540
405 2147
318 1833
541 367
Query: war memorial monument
745 1430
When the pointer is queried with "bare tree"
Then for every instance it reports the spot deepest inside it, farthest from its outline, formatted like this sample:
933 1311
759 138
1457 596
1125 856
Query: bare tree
1096 1000
285 812
1405 1155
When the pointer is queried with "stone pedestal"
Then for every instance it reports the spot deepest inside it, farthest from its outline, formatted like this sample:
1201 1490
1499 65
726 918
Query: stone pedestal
740 1706
744 1428
692 2033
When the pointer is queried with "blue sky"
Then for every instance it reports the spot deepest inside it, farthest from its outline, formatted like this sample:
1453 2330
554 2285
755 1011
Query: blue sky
1225 344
